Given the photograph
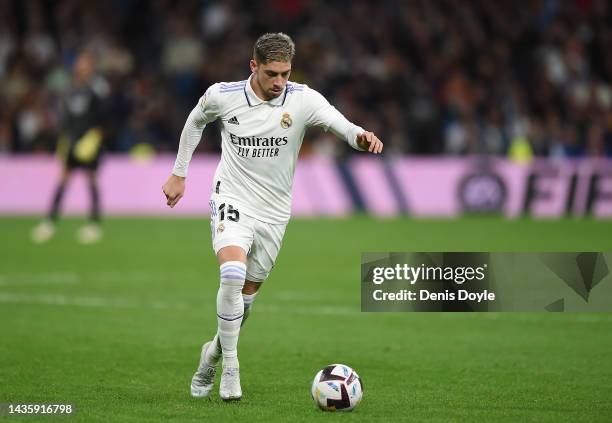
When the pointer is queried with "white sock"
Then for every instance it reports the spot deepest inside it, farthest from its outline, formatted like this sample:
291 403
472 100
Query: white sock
214 352
248 302
230 309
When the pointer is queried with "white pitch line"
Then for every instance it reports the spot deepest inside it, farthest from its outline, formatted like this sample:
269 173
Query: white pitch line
299 296
326 310
105 302
80 301
52 278
97 302
72 278
135 276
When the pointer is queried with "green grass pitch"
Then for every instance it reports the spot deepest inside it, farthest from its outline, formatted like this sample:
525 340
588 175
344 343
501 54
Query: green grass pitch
116 328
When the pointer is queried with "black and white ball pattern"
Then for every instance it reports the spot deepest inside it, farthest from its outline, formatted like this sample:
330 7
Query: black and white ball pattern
337 387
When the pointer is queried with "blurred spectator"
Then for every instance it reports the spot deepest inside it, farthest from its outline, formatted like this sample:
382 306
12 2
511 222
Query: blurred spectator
431 76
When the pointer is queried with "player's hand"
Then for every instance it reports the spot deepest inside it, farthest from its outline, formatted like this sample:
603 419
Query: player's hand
369 141
174 188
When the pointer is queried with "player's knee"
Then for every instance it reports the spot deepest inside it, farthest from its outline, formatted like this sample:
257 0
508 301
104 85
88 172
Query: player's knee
231 253
233 275
251 287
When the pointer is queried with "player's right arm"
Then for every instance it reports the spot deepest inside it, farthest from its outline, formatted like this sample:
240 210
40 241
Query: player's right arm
206 111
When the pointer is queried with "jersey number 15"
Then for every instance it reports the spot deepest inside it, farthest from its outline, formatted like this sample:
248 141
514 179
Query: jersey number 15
232 213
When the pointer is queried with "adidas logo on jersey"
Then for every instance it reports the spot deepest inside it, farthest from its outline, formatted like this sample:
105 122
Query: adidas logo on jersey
234 121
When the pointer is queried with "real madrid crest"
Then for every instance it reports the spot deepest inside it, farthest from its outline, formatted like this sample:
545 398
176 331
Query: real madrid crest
220 228
286 121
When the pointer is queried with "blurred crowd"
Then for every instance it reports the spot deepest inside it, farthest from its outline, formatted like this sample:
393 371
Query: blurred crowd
428 76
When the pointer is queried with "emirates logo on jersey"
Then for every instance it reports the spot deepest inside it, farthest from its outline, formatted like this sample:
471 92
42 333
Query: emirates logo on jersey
253 141
286 121
245 145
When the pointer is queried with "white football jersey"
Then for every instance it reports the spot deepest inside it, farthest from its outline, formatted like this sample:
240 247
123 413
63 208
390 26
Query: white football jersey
260 142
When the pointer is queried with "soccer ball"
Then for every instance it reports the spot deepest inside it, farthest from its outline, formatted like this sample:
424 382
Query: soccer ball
337 388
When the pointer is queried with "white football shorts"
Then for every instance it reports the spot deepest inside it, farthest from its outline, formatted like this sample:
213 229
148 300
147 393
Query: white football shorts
260 240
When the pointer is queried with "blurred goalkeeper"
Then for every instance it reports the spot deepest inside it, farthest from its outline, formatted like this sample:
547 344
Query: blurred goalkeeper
263 120
80 145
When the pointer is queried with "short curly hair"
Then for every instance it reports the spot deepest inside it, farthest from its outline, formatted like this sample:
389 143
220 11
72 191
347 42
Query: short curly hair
274 47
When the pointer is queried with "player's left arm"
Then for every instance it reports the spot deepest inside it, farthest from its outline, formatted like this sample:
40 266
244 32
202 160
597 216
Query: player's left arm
320 113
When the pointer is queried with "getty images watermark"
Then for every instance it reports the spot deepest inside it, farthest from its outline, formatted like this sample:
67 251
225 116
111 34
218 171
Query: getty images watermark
413 274
22 409
486 281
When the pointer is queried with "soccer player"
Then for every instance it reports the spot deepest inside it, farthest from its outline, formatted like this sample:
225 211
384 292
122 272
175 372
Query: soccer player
263 120
83 115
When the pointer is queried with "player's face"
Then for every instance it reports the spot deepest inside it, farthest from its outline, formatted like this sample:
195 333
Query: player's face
271 77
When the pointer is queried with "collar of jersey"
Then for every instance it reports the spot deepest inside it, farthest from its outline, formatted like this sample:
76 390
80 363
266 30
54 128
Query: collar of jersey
253 100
